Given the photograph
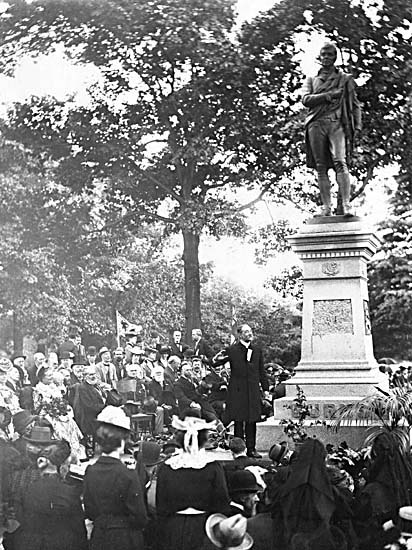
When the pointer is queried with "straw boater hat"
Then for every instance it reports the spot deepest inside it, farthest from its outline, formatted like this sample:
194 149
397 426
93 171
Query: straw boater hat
102 350
228 533
114 416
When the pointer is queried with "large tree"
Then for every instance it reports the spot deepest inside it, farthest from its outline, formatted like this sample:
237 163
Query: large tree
183 112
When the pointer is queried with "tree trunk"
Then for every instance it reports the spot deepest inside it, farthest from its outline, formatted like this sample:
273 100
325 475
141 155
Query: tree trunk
17 335
192 282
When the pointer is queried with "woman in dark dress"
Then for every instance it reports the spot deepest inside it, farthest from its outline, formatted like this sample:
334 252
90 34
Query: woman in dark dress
190 487
306 502
113 495
388 487
51 514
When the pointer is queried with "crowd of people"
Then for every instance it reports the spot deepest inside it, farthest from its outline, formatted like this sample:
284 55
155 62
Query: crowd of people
75 473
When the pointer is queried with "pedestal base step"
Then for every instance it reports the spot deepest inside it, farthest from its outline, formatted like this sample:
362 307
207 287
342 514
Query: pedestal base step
271 432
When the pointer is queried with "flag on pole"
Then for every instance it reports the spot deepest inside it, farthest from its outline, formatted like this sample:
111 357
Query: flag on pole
233 326
123 326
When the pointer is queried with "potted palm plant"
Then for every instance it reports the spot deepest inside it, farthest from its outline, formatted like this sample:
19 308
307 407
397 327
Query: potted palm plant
386 410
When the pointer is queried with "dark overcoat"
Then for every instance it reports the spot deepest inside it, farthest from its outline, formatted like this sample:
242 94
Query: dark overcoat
114 500
246 380
88 402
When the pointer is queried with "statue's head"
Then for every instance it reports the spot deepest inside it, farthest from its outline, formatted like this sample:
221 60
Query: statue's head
328 54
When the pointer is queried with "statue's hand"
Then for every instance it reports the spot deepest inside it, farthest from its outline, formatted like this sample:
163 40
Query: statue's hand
335 94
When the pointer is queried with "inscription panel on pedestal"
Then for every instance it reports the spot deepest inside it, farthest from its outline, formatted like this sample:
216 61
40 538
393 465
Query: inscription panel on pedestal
332 317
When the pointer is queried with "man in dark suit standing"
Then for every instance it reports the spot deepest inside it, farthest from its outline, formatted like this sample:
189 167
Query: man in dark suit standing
177 347
247 378
200 347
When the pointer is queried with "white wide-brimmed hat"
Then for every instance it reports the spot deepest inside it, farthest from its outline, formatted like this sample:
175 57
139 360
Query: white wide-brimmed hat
228 533
115 416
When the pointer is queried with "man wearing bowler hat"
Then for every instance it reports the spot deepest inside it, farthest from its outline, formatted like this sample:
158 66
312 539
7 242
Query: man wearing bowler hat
243 490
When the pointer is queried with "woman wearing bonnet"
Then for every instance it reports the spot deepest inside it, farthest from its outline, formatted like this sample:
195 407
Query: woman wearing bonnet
190 487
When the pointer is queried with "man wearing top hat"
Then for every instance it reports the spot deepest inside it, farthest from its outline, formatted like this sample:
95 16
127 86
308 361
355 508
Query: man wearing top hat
247 380
91 355
66 360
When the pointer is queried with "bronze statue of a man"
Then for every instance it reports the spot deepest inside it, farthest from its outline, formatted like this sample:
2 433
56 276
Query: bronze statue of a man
331 126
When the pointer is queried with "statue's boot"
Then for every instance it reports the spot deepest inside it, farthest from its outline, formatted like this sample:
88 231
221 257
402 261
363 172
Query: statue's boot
324 188
343 179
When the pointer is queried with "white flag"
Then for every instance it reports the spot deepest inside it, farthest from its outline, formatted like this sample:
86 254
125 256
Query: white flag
123 326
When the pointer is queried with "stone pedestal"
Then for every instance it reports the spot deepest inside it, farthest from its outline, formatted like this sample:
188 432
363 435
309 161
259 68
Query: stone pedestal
337 363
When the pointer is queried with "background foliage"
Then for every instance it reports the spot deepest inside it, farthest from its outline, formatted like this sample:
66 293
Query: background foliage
189 109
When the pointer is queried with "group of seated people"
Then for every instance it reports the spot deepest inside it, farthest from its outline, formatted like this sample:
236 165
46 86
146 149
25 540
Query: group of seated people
70 389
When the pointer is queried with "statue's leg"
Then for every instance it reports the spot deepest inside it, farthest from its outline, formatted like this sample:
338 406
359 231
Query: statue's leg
319 144
324 189
338 152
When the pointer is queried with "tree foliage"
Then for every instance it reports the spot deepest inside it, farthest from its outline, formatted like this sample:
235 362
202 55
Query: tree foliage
186 108
374 43
275 323
390 279
181 113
